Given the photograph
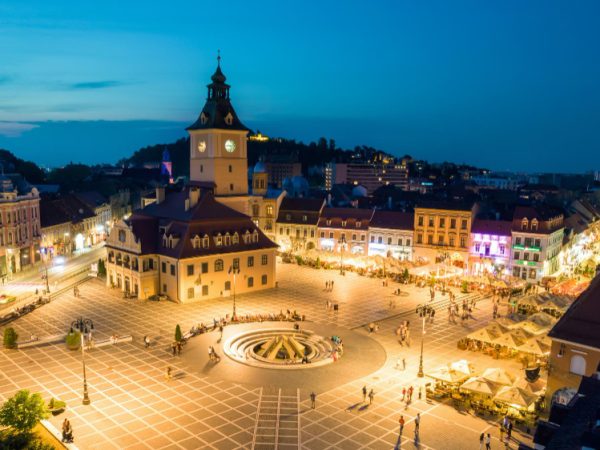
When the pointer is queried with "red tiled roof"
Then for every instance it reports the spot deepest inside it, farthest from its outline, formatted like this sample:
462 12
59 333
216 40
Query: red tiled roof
581 323
396 220
336 216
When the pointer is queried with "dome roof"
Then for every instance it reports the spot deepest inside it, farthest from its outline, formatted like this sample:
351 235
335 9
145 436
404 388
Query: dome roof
260 167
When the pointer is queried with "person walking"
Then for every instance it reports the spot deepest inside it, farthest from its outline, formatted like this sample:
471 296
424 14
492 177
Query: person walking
410 393
417 423
313 399
403 394
371 396
488 442
364 392
168 374
403 364
401 422
146 341
481 439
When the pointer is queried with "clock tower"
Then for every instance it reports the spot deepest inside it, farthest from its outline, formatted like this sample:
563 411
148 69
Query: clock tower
218 147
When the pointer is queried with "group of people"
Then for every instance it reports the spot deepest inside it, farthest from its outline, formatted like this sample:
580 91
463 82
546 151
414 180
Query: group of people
366 393
67 431
408 393
213 355
176 347
403 333
75 291
329 286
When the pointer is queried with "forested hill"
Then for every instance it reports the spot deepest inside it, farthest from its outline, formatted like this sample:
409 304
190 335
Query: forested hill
313 154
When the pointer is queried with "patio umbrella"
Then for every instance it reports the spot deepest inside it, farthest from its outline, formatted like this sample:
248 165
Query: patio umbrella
519 333
500 284
538 387
545 340
528 301
534 347
447 375
498 376
507 323
478 385
530 327
514 396
551 304
462 366
508 340
543 319
482 335
494 329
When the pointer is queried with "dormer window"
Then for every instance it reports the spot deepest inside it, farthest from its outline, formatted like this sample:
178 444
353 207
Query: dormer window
227 239
344 223
236 238
524 223
534 224
219 240
288 217
255 236
205 241
229 119
247 237
304 218
328 222
358 223
203 118
196 242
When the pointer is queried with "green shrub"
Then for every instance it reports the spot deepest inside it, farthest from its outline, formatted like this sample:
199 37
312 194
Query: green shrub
73 340
178 335
10 338
464 287
23 411
101 268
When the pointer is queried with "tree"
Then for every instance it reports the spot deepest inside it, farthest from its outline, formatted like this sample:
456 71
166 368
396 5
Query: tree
23 411
178 333
10 337
101 268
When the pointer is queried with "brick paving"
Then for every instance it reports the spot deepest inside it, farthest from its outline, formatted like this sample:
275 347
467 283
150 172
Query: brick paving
134 406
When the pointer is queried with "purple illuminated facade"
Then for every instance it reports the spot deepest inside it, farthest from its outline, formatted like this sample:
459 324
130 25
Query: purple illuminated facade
490 247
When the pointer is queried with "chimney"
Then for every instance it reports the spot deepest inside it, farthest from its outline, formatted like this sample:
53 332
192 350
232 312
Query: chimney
160 195
194 195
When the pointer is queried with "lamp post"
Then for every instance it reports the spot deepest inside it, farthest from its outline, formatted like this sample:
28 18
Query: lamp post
424 311
342 244
83 325
234 271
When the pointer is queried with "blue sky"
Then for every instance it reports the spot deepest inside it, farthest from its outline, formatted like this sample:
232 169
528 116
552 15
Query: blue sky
507 85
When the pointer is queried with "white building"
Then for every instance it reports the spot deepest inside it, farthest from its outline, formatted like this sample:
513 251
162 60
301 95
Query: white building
391 234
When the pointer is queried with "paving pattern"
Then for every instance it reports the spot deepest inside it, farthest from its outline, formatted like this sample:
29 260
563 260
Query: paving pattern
135 406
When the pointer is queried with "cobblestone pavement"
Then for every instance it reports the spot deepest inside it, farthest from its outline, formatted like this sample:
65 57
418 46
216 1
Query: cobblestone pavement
134 406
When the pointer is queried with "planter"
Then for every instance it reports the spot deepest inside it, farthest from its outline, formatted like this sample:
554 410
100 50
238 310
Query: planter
73 341
55 407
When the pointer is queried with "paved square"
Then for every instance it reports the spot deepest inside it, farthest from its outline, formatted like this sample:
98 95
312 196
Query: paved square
135 407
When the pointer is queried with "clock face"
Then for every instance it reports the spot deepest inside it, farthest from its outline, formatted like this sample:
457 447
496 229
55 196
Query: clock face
229 145
202 146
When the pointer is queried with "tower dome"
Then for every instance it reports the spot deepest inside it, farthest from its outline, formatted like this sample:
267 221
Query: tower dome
260 167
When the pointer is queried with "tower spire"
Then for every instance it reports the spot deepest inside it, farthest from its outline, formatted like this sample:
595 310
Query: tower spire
219 58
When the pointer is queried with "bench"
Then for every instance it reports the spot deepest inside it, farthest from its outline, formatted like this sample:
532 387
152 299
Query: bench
111 341
46 340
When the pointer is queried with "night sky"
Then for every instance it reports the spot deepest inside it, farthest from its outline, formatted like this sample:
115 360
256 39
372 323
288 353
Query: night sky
508 85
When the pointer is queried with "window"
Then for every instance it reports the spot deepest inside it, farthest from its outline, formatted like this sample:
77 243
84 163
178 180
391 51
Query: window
516 272
536 257
362 237
190 270
358 223
236 263
172 269
250 261
517 255
235 239
328 222
518 241
379 240
164 288
344 223
263 279
441 239
304 218
538 243
269 211
525 256
122 236
219 265
230 168
419 238
204 267
219 240
452 224
524 224
430 239
408 242
227 285
389 241
312 233
255 210
331 235
250 282
534 225
463 241
442 222
201 168
205 290
532 274
451 239
288 217
477 247
264 260
322 235
420 221
399 241
190 293
463 224
431 222
528 242
205 241
354 237
502 248
164 267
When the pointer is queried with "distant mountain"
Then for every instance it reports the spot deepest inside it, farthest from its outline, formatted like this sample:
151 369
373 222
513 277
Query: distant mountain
30 171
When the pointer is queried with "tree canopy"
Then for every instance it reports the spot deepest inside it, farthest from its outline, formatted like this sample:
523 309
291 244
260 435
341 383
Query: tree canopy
23 411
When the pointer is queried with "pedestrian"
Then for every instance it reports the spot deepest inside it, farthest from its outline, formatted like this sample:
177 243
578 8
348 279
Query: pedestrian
371 396
410 393
364 392
481 439
146 342
488 442
174 348
403 364
331 284
179 346
417 423
509 431
403 393
313 399
221 332
401 422
168 374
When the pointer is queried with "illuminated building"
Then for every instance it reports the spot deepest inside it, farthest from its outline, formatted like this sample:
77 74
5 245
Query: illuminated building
490 247
391 234
297 223
369 175
344 227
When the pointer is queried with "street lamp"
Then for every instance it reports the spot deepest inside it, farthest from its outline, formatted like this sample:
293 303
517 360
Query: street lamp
234 271
84 326
424 311
342 244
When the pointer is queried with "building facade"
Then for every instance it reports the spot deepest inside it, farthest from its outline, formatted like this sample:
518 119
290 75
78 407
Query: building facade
19 225
490 247
575 350
344 229
297 224
391 234
369 175
102 214
442 231
537 237
188 246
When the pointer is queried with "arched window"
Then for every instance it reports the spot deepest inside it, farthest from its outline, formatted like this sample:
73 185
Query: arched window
524 223
577 365
255 236
534 224
219 240
227 239
219 265
255 210
205 241
236 238
269 211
